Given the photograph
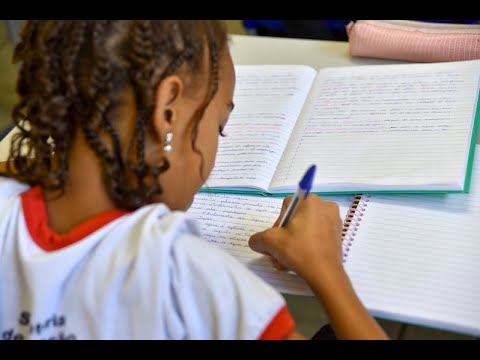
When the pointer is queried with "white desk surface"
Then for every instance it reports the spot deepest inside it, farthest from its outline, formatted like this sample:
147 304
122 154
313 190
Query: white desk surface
247 49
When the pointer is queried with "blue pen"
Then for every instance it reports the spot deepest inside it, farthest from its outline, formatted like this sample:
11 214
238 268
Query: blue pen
304 187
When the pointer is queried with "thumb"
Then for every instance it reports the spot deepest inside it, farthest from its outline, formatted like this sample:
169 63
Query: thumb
267 241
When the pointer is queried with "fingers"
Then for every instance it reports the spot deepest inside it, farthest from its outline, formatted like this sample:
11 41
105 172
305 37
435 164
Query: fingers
257 243
315 219
314 204
265 242
276 264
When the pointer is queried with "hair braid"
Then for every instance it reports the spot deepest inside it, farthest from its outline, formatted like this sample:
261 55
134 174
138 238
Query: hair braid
40 83
146 76
77 39
72 77
98 121
213 88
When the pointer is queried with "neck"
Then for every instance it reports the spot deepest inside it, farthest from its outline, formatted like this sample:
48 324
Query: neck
84 194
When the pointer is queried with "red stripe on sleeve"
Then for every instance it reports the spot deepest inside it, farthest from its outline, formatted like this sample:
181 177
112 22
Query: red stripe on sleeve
280 326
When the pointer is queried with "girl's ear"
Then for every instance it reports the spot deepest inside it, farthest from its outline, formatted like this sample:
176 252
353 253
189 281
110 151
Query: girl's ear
165 115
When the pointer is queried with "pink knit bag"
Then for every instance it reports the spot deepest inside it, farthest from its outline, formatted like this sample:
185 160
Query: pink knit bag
414 40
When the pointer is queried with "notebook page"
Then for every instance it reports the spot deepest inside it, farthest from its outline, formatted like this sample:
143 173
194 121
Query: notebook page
385 127
416 258
268 100
229 220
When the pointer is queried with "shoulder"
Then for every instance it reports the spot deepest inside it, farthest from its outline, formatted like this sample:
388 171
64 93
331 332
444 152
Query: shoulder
216 296
10 190
215 290
11 187
222 298
155 233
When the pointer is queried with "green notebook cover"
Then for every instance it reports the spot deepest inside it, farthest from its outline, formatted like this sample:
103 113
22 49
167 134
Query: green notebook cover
473 140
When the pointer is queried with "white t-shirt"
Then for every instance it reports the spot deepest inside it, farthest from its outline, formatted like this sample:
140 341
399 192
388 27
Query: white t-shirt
146 274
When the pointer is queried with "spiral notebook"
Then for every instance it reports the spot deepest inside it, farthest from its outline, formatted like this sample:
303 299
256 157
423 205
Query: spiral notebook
372 128
416 258
228 221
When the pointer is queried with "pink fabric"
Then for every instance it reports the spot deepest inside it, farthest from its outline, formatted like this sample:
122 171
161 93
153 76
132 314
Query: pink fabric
414 41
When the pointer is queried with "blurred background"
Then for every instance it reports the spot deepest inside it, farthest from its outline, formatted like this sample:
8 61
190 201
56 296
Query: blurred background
333 30
8 71
306 29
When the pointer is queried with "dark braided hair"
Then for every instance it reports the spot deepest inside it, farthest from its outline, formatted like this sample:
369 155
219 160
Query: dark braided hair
72 77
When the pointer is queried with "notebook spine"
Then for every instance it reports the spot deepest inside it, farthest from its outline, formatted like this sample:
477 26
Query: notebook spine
352 222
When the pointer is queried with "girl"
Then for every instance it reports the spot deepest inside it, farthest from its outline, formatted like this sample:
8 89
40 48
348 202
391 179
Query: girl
123 122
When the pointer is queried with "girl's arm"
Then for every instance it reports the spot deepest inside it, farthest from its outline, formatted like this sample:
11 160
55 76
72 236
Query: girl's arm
348 317
310 245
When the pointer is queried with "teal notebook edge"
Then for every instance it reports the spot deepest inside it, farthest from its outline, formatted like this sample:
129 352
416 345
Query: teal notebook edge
468 176
322 193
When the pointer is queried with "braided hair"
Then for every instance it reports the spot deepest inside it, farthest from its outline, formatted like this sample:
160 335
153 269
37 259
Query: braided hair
72 76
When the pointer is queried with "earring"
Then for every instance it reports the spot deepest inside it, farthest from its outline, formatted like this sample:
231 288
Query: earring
166 143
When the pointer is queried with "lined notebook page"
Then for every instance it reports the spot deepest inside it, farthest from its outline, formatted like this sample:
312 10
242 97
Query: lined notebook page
385 127
229 221
416 258
268 100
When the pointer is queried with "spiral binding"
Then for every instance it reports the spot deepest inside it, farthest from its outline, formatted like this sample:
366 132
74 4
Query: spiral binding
352 222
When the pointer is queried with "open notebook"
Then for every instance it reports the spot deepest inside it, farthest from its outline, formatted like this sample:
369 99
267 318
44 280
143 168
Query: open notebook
416 258
229 220
375 128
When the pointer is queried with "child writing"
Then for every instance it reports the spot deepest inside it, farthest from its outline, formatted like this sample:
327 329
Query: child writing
118 129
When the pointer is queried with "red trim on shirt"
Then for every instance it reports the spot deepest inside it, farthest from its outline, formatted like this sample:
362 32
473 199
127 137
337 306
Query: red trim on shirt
35 215
280 326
